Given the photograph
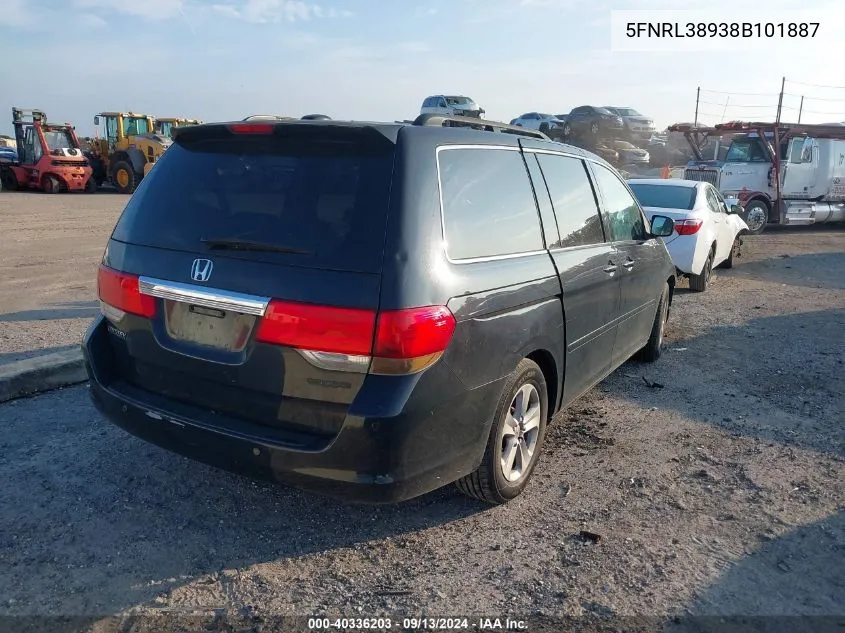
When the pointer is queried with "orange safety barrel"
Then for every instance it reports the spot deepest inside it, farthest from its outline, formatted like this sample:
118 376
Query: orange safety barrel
665 173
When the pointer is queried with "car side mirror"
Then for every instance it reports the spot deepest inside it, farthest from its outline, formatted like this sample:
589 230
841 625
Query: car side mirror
661 226
736 208
96 120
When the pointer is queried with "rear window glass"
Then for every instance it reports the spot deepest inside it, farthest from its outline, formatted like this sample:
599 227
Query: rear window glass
664 196
488 204
327 201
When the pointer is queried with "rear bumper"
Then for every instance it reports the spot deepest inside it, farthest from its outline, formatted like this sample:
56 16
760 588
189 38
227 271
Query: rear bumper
682 251
373 459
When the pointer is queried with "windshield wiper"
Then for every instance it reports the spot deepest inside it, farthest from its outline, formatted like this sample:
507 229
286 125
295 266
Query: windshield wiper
234 244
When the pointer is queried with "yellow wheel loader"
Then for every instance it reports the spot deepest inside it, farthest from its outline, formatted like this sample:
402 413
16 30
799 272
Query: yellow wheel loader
127 150
166 124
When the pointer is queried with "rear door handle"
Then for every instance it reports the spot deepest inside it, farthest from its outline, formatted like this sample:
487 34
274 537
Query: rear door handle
610 269
629 265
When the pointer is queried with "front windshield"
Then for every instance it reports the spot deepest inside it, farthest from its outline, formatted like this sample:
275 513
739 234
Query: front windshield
664 196
746 150
626 112
58 139
135 125
166 128
458 100
547 116
603 111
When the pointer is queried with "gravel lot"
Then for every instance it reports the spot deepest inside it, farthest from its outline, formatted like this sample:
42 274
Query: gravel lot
49 250
719 490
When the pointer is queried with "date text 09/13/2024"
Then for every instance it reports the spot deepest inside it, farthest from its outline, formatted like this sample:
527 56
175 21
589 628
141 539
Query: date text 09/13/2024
417 624
681 30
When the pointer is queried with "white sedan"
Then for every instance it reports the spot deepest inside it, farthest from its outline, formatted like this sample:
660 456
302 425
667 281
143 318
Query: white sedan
707 229
537 121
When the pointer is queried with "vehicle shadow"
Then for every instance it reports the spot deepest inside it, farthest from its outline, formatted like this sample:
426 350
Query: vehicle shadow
800 587
66 310
817 270
781 391
130 521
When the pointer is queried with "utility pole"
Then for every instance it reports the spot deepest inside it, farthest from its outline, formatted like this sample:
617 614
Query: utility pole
780 99
800 108
725 109
697 95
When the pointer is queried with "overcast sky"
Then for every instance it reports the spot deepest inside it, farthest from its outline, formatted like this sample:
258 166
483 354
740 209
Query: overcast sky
378 59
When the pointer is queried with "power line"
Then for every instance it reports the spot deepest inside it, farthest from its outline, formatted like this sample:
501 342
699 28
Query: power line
745 94
738 105
826 113
801 83
806 98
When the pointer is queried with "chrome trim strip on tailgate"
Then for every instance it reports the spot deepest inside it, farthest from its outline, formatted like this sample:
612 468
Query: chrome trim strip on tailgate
207 297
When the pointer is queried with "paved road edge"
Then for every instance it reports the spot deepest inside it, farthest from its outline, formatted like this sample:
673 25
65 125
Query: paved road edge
41 373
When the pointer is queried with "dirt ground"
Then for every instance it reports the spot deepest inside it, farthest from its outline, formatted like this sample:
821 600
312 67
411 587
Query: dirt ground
50 247
714 477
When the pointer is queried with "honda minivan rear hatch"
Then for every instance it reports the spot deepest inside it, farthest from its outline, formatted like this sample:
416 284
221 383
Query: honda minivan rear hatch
244 274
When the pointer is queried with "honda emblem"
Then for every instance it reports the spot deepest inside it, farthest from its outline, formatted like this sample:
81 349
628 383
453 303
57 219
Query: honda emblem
201 269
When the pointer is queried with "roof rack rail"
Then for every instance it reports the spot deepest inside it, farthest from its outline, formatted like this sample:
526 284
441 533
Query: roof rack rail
440 120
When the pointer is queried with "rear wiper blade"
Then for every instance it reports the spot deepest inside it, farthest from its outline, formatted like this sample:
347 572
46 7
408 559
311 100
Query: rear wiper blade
233 244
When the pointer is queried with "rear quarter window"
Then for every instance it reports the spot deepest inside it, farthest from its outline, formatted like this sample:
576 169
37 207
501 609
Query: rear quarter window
326 200
488 203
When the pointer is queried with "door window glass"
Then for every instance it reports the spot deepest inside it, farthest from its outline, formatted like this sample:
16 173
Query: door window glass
573 199
488 203
623 212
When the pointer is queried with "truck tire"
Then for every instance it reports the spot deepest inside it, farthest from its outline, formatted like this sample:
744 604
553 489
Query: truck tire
51 184
756 216
10 181
124 177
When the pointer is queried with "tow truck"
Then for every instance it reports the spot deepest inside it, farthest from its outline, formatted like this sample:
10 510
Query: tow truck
49 156
782 173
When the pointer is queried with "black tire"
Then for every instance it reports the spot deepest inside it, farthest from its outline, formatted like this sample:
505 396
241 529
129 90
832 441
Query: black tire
652 350
92 185
729 262
701 282
594 128
567 130
489 483
123 169
51 184
10 181
544 128
751 210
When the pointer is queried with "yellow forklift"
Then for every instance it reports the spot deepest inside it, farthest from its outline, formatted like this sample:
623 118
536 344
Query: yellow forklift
166 124
127 150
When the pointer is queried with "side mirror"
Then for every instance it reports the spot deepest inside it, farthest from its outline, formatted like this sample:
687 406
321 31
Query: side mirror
96 120
736 208
661 226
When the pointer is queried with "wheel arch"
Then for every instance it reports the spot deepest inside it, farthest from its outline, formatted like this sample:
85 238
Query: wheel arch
546 362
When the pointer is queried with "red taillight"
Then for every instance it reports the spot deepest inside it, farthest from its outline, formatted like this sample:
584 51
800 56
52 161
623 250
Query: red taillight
413 333
318 328
251 128
688 227
122 292
399 341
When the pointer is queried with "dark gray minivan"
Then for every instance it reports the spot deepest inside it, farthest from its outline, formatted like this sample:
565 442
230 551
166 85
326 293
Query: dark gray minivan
371 311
